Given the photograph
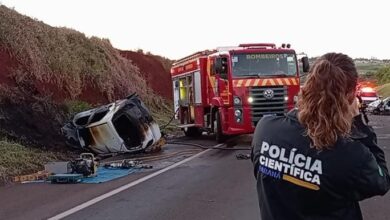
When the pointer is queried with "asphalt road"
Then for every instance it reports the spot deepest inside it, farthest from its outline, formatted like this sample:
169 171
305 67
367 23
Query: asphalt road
378 208
214 185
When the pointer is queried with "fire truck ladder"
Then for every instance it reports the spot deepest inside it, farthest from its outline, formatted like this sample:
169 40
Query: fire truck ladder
193 56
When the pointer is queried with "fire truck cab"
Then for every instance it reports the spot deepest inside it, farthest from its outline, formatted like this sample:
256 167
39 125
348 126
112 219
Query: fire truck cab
226 91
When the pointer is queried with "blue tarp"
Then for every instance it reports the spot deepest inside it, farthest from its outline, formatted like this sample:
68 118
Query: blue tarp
108 174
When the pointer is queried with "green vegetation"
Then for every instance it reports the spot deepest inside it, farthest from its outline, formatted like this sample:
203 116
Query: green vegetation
164 119
383 74
16 159
384 90
368 68
76 106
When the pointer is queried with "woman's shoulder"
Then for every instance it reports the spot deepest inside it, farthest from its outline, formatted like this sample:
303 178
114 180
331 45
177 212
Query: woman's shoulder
352 148
282 120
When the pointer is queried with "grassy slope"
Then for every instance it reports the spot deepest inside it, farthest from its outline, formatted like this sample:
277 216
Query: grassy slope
66 58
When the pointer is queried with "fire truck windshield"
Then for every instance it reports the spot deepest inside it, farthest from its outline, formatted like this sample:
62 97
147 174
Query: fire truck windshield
263 64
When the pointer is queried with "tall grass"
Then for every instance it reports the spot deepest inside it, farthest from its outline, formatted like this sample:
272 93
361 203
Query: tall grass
16 159
67 59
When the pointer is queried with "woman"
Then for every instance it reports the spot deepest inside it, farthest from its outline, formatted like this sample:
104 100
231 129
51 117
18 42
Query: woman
321 159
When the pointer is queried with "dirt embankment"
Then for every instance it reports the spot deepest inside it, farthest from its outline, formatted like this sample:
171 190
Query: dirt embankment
153 71
27 115
48 73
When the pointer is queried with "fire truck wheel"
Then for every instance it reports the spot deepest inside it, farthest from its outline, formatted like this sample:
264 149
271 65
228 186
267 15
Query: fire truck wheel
219 136
192 132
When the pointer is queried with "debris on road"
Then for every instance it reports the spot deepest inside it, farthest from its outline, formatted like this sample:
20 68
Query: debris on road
127 164
84 169
243 156
123 126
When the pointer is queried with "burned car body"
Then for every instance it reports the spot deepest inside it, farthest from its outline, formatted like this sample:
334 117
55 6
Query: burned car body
123 126
379 107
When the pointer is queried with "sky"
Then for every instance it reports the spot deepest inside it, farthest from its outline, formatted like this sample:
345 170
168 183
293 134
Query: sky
177 28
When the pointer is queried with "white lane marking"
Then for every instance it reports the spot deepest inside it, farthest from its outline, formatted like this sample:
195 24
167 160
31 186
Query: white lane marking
125 187
383 136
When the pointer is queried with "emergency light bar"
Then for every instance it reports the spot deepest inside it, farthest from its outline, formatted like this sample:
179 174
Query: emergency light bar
367 89
258 45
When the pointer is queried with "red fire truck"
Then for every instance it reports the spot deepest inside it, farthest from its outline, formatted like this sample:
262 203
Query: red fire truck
226 91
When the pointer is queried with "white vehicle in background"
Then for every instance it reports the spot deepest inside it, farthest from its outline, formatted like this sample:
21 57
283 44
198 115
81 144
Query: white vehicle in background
368 95
379 107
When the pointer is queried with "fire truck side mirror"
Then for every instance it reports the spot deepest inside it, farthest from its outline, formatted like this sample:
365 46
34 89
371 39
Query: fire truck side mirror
218 65
221 66
305 64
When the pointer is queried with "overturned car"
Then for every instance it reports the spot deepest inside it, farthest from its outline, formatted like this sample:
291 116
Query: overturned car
379 107
123 126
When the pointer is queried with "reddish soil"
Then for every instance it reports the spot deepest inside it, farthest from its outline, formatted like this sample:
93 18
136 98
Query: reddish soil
6 65
88 94
93 95
35 121
156 76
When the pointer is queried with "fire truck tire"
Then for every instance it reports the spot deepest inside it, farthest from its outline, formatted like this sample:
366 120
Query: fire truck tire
191 131
219 136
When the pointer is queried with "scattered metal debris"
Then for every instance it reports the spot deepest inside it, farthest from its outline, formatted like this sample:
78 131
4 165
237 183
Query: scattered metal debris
123 126
243 156
127 164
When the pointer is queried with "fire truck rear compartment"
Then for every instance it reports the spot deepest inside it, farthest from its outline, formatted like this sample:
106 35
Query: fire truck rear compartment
277 105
